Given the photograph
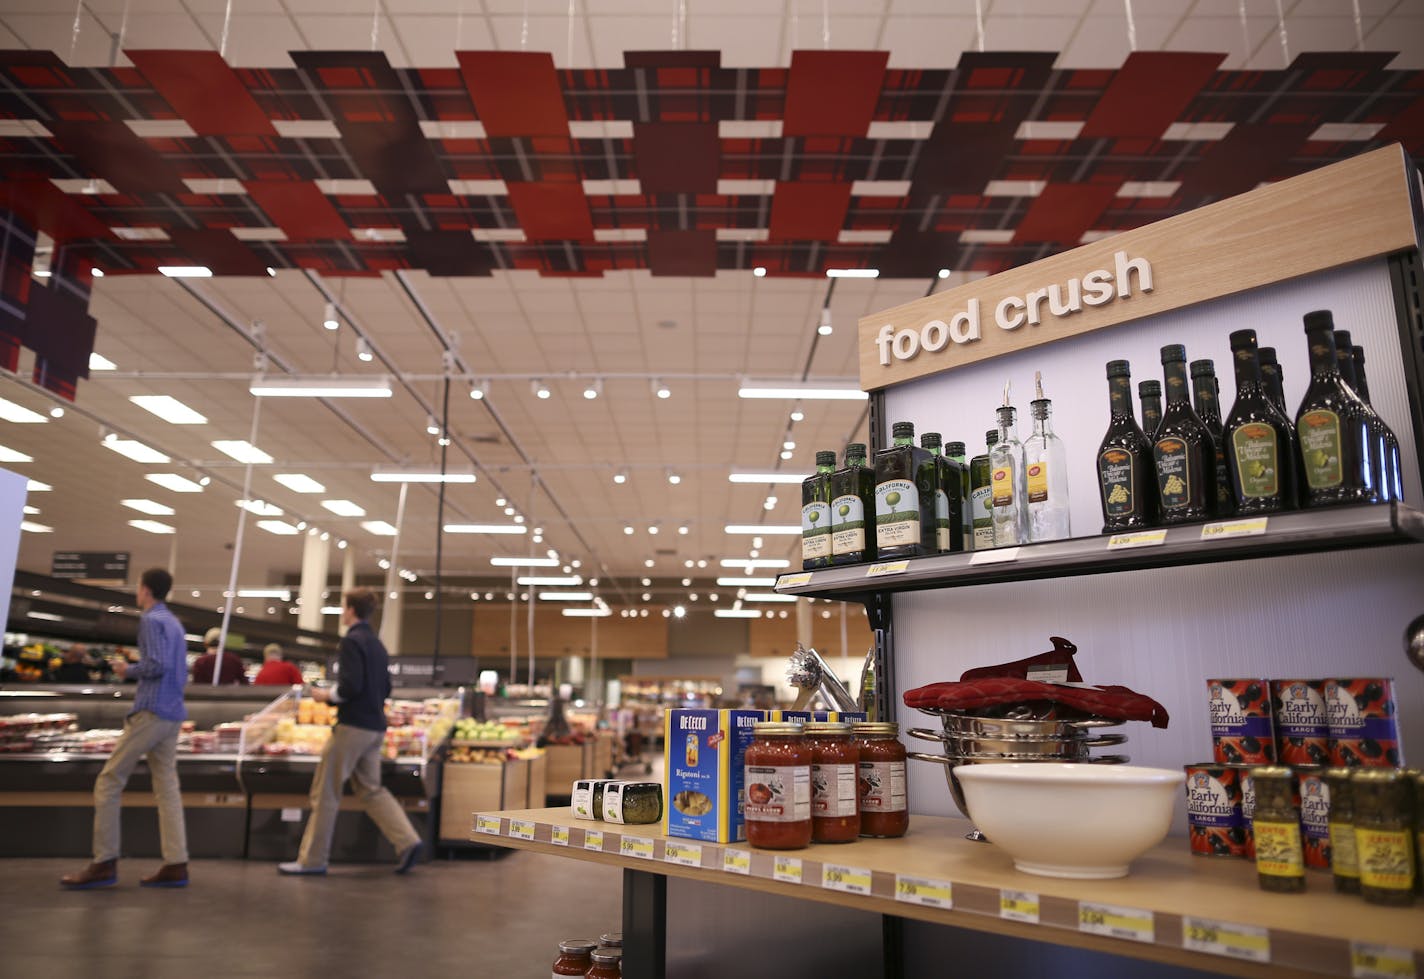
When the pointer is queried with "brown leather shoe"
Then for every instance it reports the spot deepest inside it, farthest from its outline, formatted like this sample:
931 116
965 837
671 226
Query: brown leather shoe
168 875
102 874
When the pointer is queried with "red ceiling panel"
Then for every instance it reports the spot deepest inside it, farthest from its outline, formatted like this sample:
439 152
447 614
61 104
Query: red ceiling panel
299 209
808 211
551 210
677 157
47 208
112 151
682 253
833 93
1063 212
1248 155
205 92
218 250
1149 93
516 93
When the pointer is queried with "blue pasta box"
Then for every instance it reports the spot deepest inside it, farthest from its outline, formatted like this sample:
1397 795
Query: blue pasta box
705 758
805 716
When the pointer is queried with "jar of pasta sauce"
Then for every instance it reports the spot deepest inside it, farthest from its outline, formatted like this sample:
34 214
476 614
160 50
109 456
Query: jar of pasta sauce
574 957
884 811
778 787
835 809
607 964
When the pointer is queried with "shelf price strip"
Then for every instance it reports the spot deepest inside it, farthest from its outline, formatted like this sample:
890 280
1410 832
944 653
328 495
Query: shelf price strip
1000 555
922 890
737 862
850 880
521 829
887 568
1368 961
786 869
1019 906
489 825
1114 921
684 854
794 580
1250 527
559 836
638 847
1224 938
593 840
1141 538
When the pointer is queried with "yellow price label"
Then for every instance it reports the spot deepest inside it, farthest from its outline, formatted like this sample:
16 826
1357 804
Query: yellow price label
1225 938
794 580
1019 906
922 890
593 840
999 555
1369 961
1141 538
488 825
1114 921
737 862
787 870
638 847
559 836
521 829
1223 529
685 854
851 880
887 568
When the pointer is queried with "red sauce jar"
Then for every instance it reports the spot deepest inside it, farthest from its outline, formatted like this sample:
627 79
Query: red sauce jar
574 957
778 787
607 964
835 803
884 811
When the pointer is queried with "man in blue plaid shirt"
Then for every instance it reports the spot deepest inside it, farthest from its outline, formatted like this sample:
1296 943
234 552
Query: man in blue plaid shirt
150 731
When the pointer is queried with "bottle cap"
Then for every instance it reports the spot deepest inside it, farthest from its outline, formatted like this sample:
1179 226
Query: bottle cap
1359 354
1119 368
1006 415
1149 389
903 430
1203 368
991 438
1242 339
1267 356
825 458
1320 319
856 450
957 448
1174 353
1342 340
931 440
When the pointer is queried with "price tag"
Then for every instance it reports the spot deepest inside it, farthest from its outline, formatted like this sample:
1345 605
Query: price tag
1116 922
1250 527
1019 906
887 568
638 847
521 829
922 890
794 580
737 862
1380 962
787 870
593 840
686 854
851 880
1141 538
1224 938
487 824
559 836
1000 555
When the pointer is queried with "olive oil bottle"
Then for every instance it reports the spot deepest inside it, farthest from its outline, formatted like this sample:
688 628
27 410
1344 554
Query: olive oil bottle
1380 435
1260 440
981 495
852 499
816 514
1332 427
1150 393
949 501
905 482
1394 470
1008 481
1206 395
1273 378
1126 473
1183 449
954 451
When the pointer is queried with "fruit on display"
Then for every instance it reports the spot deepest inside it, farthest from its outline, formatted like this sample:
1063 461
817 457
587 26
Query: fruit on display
470 729
464 755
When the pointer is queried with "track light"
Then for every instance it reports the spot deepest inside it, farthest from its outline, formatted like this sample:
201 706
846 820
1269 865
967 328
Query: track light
431 426
594 389
661 389
825 329
479 391
759 271
329 319
673 477
541 391
797 415
620 477
944 273
363 350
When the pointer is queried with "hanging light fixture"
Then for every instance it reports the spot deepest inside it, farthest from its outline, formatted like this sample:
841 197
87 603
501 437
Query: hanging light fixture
540 389
825 328
363 350
329 319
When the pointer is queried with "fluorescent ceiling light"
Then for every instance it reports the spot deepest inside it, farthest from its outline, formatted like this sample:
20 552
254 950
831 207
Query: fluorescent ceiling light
35 486
572 579
767 477
134 450
32 511
329 386
344 508
45 616
149 506
802 393
524 562
566 596
186 271
770 530
278 527
174 482
151 526
299 483
767 596
35 528
260 507
488 528
737 613
98 362
422 476
754 582
19 414
331 610
285 594
169 409
378 527
242 451
587 613
10 455
852 273
748 562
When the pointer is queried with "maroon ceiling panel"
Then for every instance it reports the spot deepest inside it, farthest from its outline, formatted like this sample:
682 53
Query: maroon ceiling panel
551 211
1063 212
298 208
1248 155
677 157
49 209
682 253
448 253
833 93
1149 93
672 59
1407 127
218 250
205 92
395 156
110 150
516 93
808 211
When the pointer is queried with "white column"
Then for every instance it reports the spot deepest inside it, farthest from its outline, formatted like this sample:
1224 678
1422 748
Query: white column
316 557
804 617
348 581
395 585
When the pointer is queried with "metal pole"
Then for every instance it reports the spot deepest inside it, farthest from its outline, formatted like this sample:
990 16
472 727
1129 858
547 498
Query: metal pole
389 633
440 529
513 623
532 598
237 546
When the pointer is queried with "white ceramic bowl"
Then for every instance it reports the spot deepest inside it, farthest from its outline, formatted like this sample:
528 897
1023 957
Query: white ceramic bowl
1072 820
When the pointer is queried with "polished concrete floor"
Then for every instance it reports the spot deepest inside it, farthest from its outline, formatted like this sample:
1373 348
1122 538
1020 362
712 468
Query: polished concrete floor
463 919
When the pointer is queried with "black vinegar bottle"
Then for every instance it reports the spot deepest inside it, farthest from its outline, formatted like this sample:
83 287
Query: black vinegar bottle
1206 395
853 509
1126 475
1380 435
905 482
1260 440
1273 379
1150 393
1394 471
1183 449
816 514
1332 427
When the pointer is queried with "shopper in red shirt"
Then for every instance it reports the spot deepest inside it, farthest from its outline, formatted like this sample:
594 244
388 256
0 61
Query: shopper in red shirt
275 670
231 671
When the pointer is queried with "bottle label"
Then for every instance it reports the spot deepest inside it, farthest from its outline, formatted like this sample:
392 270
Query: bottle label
1344 858
1115 471
981 512
941 520
833 790
815 531
1278 851
778 793
897 513
1257 459
882 786
1319 432
1002 484
1385 857
1174 474
847 525
1038 481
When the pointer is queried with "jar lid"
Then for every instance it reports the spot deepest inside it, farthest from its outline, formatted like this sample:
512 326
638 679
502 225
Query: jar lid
777 729
1270 772
876 729
827 727
608 955
613 939
577 946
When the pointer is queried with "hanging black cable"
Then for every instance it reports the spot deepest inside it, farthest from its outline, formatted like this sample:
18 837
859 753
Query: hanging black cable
440 528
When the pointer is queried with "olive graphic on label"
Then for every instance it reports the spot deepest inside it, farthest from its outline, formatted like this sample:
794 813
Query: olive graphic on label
1218 847
1392 756
892 499
1250 745
1229 750
1237 834
1253 694
1317 755
1318 458
843 509
1371 748
814 516
1371 693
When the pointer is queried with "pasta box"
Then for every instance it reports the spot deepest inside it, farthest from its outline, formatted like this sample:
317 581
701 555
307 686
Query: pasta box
705 756
807 716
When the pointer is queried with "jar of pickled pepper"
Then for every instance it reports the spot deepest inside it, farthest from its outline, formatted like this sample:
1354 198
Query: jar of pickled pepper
574 957
607 964
1280 859
835 812
884 811
778 787
1383 830
1344 864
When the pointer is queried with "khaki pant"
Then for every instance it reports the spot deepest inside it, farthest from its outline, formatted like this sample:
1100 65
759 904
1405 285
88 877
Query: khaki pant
352 753
146 735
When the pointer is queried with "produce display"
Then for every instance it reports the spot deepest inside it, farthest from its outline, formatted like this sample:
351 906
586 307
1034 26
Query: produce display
465 755
470 729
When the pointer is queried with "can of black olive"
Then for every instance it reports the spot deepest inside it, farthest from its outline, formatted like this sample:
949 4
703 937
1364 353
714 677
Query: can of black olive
1314 794
1215 818
1364 725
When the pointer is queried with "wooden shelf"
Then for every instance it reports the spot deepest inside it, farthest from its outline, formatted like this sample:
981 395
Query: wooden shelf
1240 539
1317 932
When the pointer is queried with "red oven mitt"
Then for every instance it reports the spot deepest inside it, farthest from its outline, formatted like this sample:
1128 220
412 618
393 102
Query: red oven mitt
1061 654
1114 703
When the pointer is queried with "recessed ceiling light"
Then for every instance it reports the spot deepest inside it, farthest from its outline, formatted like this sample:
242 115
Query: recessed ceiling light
661 389
299 483
56 412
169 409
628 529
186 271
786 455
678 612
35 486
152 526
378 527
260 508
759 271
320 386
29 526
540 389
673 477
797 415
620 477
97 272
149 506
329 319
593 390
98 362
648 562
653 529
524 562
344 508
686 582
134 450
242 451
174 482
278 527
944 273
683 530
825 329
19 414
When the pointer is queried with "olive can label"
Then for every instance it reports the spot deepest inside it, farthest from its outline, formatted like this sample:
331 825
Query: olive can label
833 790
1302 732
981 506
881 785
1314 818
1344 858
1216 820
1257 460
1174 473
815 531
1386 858
1115 472
1362 715
778 793
1319 432
1241 730
1278 851
1037 473
941 520
897 513
1001 484
847 525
